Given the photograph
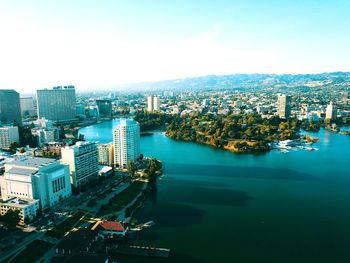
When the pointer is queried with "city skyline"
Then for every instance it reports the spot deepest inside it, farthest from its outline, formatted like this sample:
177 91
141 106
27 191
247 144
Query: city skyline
99 45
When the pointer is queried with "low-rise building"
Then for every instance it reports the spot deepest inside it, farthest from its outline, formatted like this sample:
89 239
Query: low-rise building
46 135
36 178
28 208
111 229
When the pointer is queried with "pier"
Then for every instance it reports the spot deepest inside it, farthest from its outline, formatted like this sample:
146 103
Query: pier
147 251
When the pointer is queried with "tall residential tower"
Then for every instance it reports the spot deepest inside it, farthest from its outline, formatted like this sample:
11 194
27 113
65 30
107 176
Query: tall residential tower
153 103
331 111
284 106
126 140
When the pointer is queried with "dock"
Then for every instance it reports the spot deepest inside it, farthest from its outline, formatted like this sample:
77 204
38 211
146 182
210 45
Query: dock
147 251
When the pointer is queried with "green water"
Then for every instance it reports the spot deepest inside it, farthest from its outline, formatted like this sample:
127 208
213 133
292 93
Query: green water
216 206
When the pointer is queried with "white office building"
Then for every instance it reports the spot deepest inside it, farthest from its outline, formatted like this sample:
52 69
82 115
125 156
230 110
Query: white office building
45 136
57 104
36 178
83 162
45 132
8 135
28 208
126 141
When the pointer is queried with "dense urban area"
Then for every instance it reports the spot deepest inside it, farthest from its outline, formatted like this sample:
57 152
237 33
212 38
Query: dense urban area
70 197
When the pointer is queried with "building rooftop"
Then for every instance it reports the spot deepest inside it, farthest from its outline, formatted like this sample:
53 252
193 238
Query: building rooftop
112 226
18 202
21 171
126 122
34 162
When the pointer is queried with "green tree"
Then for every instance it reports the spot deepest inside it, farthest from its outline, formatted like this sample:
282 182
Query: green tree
13 146
22 150
131 168
11 218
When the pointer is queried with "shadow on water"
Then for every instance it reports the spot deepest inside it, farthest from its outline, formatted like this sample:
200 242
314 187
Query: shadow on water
170 210
238 172
174 257
204 195
172 215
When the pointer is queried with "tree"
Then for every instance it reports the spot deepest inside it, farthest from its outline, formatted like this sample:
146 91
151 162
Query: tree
22 150
11 218
131 168
13 146
81 137
27 220
153 166
140 157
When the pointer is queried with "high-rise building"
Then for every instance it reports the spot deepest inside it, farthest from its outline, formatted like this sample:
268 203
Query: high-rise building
284 106
10 107
331 111
150 103
8 135
105 153
156 104
27 106
153 103
126 141
104 107
36 178
57 104
92 112
83 162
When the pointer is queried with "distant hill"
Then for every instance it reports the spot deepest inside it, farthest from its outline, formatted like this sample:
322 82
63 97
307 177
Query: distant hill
244 81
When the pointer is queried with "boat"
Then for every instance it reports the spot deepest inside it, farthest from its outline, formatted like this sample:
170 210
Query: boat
143 226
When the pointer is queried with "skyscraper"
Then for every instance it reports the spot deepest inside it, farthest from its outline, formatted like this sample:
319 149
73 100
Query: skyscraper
57 104
153 103
126 140
27 106
156 104
104 107
150 103
284 106
10 107
331 112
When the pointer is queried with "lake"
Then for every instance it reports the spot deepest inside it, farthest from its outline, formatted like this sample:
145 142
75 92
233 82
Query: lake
216 206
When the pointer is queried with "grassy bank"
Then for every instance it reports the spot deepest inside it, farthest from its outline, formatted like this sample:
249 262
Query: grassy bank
122 200
59 230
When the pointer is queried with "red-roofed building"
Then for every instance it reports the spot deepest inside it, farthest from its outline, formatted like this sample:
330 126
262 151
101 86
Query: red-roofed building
111 228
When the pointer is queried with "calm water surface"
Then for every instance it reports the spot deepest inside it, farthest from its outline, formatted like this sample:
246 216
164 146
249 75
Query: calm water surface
216 206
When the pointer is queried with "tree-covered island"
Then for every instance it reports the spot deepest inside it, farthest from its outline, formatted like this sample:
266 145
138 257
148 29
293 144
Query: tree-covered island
238 133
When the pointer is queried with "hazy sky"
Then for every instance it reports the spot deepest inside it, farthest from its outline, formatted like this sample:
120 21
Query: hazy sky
95 44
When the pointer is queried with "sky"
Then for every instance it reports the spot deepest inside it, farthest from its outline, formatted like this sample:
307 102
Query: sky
95 44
